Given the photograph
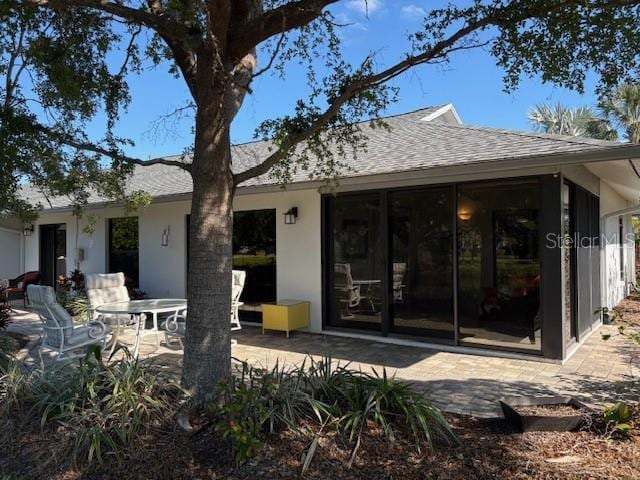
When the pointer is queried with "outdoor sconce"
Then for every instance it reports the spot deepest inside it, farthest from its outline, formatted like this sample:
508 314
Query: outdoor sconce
290 216
165 236
27 231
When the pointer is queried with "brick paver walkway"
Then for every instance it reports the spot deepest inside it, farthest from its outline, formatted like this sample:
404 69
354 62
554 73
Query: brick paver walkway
600 371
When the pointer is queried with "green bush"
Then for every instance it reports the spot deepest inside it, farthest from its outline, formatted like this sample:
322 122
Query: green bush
78 306
101 407
5 316
13 386
619 416
8 346
260 401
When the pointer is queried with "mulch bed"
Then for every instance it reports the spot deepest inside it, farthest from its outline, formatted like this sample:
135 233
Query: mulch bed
551 410
629 310
488 451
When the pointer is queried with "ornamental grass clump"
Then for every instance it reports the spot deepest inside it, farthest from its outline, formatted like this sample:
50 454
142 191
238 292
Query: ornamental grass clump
321 395
96 408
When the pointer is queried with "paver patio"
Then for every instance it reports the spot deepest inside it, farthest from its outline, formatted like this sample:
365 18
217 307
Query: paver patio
599 371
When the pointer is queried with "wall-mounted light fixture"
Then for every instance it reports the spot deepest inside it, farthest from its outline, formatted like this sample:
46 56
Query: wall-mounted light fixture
27 230
165 236
290 216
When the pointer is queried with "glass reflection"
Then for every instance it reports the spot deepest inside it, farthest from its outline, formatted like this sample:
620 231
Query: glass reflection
356 299
421 233
499 265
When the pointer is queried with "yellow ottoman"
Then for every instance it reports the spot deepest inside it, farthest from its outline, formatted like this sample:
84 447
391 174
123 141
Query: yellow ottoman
285 315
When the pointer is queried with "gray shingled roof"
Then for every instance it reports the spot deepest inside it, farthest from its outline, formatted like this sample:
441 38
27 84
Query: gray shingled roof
410 144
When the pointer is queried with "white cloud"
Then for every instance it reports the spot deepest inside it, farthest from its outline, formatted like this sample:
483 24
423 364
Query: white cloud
413 11
364 6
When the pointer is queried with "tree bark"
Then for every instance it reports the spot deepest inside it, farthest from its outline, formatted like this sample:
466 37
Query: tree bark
207 346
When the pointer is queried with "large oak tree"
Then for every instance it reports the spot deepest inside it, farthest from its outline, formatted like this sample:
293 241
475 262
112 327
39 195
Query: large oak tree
65 61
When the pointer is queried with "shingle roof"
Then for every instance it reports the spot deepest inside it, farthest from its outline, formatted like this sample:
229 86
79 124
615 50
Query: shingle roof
409 144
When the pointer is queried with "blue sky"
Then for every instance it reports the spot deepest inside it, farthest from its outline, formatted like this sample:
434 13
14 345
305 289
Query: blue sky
471 81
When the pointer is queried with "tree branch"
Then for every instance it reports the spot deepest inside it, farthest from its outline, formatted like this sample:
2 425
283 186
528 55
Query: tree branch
185 58
161 23
111 153
274 55
360 85
287 17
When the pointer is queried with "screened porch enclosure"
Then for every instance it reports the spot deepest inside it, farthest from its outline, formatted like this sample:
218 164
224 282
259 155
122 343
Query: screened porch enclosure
460 264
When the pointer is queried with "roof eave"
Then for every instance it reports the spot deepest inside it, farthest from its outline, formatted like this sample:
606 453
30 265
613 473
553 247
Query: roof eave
622 152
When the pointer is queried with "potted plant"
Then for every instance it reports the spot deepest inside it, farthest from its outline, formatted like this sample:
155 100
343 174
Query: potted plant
608 315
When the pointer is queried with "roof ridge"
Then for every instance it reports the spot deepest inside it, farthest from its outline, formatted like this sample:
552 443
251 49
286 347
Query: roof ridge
546 136
395 115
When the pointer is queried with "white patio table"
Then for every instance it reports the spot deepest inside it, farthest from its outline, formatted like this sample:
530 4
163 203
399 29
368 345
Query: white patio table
138 308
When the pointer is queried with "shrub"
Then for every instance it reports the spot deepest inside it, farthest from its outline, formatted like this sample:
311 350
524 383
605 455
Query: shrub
13 385
8 345
101 407
5 316
619 416
259 401
78 306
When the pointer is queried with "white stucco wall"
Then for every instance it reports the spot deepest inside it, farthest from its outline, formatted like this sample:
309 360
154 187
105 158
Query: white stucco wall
299 265
11 253
614 288
163 269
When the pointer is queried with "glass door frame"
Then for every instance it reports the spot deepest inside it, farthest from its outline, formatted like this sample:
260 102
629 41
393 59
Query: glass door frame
328 259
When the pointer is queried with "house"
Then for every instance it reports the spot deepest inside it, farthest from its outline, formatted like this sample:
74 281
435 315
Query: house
441 234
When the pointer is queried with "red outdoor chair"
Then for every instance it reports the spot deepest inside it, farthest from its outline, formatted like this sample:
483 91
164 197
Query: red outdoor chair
18 286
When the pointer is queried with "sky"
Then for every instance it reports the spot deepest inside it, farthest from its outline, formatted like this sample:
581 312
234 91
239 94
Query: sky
471 82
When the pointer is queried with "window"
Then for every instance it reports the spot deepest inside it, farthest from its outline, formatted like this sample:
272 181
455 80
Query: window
621 246
254 251
123 249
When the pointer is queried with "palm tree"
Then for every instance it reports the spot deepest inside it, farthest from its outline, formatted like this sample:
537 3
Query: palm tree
576 122
622 108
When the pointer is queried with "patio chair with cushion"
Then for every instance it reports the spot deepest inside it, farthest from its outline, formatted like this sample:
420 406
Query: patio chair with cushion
59 332
399 271
105 288
18 286
175 325
347 292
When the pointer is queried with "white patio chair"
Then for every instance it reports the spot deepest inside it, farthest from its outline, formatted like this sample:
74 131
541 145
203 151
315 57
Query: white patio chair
105 288
349 294
175 325
59 333
399 271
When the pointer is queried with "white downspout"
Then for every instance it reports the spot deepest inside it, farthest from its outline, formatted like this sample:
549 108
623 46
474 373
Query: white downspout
603 252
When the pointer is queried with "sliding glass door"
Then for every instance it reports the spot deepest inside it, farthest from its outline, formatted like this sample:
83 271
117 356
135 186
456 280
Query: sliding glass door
499 264
421 245
397 261
356 262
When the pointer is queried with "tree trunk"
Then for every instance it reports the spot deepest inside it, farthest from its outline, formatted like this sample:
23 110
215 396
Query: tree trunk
207 346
